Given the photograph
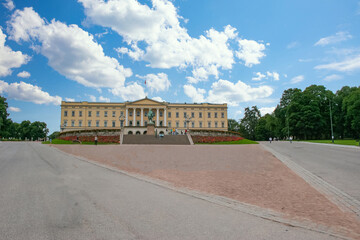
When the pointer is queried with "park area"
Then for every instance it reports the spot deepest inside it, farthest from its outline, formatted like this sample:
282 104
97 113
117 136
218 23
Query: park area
246 173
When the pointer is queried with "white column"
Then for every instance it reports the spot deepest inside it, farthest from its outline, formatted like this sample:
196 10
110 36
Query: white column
134 116
126 118
157 117
142 117
165 124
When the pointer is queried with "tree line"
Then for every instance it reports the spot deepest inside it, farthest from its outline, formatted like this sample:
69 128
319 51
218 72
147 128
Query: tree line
22 131
315 113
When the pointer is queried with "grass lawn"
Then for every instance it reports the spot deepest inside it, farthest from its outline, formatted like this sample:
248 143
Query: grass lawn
341 142
243 141
60 141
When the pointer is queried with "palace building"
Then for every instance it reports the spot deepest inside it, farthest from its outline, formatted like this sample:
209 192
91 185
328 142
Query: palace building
132 118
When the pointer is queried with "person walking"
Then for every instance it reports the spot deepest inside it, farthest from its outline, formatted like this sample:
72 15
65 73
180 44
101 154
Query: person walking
290 139
270 139
96 140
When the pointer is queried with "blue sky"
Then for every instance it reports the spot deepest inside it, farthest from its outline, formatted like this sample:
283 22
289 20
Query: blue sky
243 53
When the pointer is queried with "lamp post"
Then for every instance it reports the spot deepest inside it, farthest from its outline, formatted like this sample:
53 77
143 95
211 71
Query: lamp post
332 131
121 120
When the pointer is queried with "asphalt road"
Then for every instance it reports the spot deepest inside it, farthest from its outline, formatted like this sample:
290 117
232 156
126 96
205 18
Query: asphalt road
339 166
46 194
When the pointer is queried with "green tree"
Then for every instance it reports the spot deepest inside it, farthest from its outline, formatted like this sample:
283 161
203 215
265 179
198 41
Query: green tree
351 107
233 125
54 135
24 130
3 117
250 121
38 130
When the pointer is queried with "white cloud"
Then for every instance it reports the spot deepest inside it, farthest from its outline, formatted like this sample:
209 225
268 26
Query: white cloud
9 58
266 110
250 52
292 45
70 99
14 109
92 98
274 75
196 94
9 4
159 99
104 99
338 37
259 76
297 79
166 43
332 77
348 65
156 83
224 91
70 50
130 92
23 74
28 93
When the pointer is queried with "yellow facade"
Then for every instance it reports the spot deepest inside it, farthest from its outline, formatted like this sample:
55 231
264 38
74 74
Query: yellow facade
180 116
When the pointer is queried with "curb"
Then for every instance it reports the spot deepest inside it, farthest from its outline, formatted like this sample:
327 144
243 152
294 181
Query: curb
344 201
253 210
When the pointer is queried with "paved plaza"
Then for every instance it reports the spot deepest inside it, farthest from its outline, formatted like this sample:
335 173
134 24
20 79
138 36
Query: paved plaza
48 194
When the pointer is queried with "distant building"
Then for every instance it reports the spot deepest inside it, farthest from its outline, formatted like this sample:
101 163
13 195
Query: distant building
132 116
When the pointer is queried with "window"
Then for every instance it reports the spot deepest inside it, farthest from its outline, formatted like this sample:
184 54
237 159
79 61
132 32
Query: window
121 113
177 114
193 124
97 123
130 123
222 124
169 124
80 113
184 114
80 123
216 124
73 113
105 114
145 113
72 123
89 123
105 123
161 123
200 124
200 114
89 114
138 113
121 123
161 113
145 123
169 114
222 115
130 113
113 123
209 124
209 115
192 114
65 123
138 123
98 113
215 115
113 113
177 124
184 124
